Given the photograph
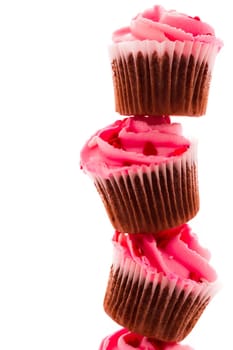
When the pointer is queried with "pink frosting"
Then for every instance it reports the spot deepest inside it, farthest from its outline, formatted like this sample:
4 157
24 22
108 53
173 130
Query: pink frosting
173 252
158 24
126 340
133 141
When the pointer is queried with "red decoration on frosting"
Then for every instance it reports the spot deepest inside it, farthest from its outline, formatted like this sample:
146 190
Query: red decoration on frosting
115 141
136 248
149 149
179 151
163 237
194 276
133 339
126 163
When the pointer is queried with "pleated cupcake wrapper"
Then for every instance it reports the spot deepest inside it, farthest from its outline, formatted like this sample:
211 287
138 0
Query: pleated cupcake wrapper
152 78
152 304
152 198
200 50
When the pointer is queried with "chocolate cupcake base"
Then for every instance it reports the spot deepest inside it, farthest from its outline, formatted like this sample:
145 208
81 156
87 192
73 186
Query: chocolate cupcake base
152 78
154 198
153 305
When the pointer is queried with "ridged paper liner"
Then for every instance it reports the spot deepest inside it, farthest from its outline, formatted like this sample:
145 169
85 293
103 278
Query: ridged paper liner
152 198
152 78
152 304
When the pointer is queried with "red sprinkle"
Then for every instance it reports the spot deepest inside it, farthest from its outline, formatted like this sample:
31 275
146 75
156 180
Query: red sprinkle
136 244
179 151
126 163
194 276
133 339
138 251
195 17
115 141
149 149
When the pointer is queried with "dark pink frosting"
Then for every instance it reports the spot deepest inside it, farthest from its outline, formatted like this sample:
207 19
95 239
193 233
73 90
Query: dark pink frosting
133 142
159 24
126 340
175 252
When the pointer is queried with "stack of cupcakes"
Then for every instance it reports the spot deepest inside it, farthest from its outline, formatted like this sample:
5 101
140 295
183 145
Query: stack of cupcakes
145 171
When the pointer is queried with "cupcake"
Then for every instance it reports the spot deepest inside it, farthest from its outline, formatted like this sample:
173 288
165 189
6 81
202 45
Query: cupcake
126 340
159 287
145 172
162 64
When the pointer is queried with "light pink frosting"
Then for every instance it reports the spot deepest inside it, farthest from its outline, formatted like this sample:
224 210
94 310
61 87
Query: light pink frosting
158 24
125 340
133 142
173 252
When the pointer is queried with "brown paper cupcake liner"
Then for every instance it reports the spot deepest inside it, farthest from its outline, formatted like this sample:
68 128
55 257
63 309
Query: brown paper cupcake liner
152 304
152 78
152 198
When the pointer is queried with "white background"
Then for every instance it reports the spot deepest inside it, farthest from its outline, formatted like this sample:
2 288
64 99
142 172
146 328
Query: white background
55 237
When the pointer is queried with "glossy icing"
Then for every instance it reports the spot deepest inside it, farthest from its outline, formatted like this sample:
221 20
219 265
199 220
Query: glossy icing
159 24
133 141
175 252
125 340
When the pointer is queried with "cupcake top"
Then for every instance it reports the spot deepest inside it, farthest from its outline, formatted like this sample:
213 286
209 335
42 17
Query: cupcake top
126 340
159 24
133 142
174 252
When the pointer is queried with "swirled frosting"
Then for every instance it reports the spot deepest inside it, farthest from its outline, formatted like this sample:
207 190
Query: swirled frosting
133 142
159 24
125 340
175 252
